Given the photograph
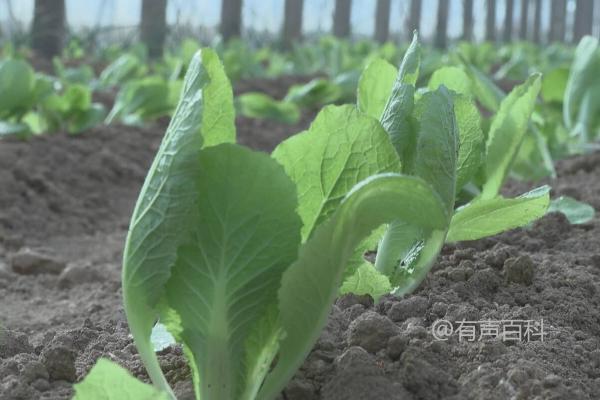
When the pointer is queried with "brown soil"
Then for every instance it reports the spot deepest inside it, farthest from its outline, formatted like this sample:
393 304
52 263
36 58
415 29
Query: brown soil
68 199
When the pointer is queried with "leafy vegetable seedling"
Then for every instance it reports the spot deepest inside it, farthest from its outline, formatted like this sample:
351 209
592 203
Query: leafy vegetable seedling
431 136
221 251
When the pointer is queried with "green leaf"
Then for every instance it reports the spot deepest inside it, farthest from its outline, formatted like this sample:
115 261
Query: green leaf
407 252
342 147
312 283
17 82
107 380
87 119
375 87
437 144
397 114
506 133
453 78
486 217
317 92
584 72
576 212
161 338
408 72
228 270
260 105
471 149
367 280
141 99
78 97
160 223
554 85
126 67
486 91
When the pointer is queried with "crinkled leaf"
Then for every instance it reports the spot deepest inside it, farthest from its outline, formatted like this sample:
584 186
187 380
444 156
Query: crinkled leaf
160 223
107 380
506 133
367 280
577 212
487 217
342 147
472 141
437 144
375 87
397 114
407 251
408 73
311 284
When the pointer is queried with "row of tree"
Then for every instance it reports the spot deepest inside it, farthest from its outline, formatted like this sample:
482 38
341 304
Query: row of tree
48 29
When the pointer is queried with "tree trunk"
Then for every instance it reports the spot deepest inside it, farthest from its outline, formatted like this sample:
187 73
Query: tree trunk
382 21
490 21
231 19
341 18
584 19
292 22
442 24
508 20
467 20
48 28
537 22
153 26
524 19
414 18
558 12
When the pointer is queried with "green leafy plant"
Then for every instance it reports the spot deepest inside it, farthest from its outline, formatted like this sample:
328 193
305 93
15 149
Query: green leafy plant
582 94
121 70
144 99
260 105
243 285
432 136
36 103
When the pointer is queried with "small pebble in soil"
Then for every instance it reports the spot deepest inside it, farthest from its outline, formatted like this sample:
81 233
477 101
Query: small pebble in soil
519 270
29 261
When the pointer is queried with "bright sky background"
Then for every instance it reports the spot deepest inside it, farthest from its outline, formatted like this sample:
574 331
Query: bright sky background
268 14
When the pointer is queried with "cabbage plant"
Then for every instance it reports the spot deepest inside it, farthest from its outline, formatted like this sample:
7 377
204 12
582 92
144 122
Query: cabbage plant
228 253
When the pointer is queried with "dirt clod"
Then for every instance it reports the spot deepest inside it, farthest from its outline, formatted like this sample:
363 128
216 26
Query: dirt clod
60 363
34 262
13 343
371 331
414 306
519 270
78 273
